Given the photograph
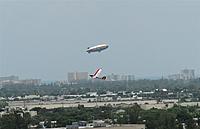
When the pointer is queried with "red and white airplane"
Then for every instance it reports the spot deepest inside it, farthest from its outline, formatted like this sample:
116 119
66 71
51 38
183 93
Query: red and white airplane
97 74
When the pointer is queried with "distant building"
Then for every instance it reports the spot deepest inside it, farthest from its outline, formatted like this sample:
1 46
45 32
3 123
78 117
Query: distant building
15 80
30 81
72 126
31 97
174 76
124 77
99 123
127 77
131 77
71 77
32 113
92 94
9 78
187 74
81 76
115 77
77 76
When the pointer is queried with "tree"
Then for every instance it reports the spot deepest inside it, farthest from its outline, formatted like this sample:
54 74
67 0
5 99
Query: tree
133 114
3 104
159 119
13 121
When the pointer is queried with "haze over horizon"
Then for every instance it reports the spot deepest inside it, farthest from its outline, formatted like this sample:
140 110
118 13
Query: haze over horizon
47 39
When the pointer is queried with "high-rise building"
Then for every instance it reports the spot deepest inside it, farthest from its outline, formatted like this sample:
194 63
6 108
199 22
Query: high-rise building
77 76
71 77
174 76
127 77
124 77
131 77
81 76
187 74
113 77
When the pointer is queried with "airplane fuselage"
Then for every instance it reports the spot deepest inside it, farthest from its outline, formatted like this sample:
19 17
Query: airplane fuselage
97 48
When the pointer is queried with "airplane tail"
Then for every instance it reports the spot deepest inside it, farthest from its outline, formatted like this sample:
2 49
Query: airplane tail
91 75
104 78
97 74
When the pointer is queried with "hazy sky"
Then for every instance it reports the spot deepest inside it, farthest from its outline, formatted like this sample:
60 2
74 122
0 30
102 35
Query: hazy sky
48 38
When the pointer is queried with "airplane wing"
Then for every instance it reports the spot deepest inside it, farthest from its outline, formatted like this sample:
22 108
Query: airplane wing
97 73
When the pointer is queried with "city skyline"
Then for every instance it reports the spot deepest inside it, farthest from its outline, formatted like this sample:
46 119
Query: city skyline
47 39
185 74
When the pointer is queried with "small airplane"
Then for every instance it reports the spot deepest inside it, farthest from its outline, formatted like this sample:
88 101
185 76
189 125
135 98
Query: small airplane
97 74
97 48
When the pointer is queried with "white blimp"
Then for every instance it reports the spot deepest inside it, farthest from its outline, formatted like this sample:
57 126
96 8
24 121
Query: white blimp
97 74
97 48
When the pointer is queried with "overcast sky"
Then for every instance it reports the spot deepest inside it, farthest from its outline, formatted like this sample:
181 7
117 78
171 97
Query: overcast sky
48 38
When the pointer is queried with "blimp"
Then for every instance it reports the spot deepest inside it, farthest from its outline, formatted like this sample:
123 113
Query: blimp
97 48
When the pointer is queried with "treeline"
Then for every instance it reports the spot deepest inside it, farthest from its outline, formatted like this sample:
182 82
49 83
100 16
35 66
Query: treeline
173 118
98 86
15 120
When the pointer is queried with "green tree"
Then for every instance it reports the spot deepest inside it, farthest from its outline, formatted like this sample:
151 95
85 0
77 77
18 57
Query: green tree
159 119
13 121
3 104
133 114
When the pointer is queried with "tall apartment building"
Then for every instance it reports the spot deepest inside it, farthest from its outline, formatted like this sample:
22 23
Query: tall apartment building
113 77
187 74
77 76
